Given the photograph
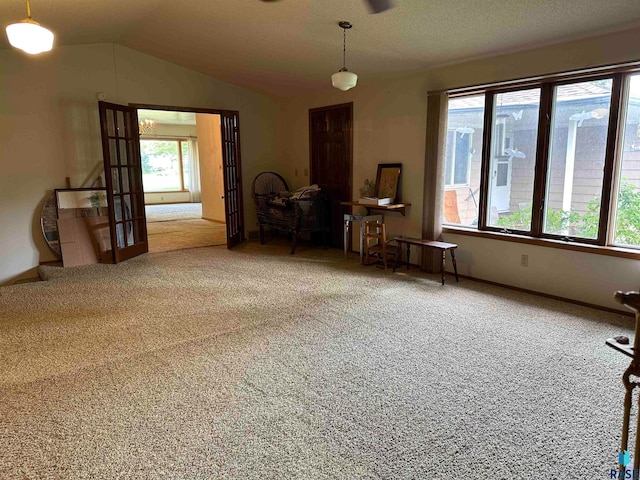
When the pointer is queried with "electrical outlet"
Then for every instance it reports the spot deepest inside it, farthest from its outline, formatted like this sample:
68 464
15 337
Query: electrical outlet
524 260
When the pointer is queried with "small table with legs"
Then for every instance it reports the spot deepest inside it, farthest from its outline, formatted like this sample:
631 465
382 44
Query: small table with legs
350 218
442 246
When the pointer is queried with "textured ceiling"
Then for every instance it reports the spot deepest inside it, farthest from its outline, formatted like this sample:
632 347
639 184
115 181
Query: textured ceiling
293 46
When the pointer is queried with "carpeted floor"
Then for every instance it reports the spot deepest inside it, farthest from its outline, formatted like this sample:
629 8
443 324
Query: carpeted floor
165 212
255 364
178 234
177 226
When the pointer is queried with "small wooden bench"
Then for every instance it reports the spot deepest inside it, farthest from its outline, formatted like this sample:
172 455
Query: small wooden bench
442 246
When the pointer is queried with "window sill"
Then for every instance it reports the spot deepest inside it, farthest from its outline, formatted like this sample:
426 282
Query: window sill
545 242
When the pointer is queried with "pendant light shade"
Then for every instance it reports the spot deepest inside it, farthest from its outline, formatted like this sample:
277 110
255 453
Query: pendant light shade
343 79
29 36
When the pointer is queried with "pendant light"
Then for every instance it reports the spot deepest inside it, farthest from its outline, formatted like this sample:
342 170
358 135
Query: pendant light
29 36
343 79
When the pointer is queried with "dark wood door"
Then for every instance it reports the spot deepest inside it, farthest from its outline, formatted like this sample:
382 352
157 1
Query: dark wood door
331 151
232 177
123 175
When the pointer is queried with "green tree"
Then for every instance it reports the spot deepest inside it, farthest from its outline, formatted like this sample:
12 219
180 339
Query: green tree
150 149
628 218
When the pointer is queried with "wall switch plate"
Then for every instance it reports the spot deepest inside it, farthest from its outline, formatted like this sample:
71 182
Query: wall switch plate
524 260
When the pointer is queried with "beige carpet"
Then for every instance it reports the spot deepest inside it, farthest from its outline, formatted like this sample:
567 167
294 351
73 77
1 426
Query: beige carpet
178 234
173 211
254 364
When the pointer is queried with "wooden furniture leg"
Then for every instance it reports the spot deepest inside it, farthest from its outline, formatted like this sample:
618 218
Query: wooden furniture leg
631 300
408 255
345 232
453 260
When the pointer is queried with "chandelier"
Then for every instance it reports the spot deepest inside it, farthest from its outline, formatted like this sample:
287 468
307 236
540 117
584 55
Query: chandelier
147 127
343 79
29 36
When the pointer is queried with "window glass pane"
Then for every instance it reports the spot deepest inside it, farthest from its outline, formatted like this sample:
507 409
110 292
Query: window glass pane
120 235
627 214
160 165
463 154
513 154
186 161
579 126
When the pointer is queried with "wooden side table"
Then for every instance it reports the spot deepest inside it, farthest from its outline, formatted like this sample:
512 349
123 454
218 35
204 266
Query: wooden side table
442 246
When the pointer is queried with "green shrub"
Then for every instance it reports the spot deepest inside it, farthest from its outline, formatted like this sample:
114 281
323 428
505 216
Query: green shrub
627 225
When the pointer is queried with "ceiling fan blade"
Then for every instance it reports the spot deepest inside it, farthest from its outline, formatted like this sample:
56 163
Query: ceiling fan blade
377 6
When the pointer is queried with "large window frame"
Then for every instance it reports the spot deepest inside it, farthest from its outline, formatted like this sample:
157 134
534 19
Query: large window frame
620 76
180 141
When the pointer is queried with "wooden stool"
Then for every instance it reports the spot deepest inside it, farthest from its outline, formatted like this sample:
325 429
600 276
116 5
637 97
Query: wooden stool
442 246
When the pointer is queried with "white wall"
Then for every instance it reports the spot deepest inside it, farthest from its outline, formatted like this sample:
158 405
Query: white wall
166 197
389 126
49 129
211 173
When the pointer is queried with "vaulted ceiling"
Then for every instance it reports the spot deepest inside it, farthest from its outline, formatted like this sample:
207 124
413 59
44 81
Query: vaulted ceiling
292 46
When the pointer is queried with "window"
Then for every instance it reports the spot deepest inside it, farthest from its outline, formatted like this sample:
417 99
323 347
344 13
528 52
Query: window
576 158
463 159
164 165
626 230
513 152
561 160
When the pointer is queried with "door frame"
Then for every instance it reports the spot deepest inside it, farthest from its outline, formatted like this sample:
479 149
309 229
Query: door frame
211 111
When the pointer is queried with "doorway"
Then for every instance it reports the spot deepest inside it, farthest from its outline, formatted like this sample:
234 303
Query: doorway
123 166
331 157
182 175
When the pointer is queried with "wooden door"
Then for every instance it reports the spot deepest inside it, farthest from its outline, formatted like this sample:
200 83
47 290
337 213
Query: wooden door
232 177
331 151
123 175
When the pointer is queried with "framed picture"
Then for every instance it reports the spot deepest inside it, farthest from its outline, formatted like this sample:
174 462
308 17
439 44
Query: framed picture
388 180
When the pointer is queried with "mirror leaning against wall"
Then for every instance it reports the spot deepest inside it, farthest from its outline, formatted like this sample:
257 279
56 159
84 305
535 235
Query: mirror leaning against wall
75 225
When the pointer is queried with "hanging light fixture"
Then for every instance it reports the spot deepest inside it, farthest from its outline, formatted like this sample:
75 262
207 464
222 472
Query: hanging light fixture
29 36
147 127
343 79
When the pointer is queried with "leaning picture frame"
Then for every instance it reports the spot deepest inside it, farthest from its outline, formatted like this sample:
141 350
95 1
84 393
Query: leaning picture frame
388 181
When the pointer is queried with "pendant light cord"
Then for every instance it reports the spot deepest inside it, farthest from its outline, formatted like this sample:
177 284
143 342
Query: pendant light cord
28 9
344 48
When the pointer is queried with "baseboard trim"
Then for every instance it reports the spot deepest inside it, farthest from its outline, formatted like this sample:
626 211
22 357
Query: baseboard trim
546 295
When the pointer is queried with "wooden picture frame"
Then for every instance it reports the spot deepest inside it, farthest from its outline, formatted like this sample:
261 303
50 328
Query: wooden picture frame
388 181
